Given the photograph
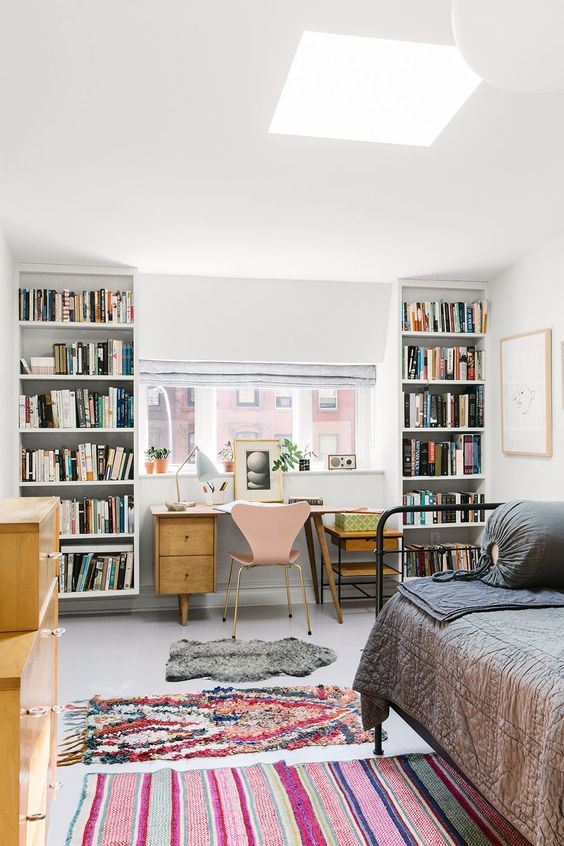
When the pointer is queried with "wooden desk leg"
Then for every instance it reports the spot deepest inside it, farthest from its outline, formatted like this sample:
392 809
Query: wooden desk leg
311 554
326 558
183 600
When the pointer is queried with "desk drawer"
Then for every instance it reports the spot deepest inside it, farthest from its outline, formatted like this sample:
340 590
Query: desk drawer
186 574
186 536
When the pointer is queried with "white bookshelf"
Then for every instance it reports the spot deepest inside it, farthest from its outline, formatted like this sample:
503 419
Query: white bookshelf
429 291
36 338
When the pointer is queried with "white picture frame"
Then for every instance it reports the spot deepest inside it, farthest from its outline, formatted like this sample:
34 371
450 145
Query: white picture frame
255 480
526 393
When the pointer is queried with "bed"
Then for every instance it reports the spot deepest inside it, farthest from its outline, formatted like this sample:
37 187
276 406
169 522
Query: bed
486 690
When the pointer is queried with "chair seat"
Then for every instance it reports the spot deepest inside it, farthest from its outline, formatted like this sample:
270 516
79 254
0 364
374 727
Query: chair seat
246 559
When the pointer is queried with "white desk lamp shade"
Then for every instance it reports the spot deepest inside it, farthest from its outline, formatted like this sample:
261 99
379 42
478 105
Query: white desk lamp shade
515 45
205 468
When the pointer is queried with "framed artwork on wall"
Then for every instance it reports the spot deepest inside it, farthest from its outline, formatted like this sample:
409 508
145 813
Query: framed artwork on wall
255 480
526 394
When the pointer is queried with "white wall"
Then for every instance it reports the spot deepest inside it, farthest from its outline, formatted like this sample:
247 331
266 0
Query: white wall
528 296
7 363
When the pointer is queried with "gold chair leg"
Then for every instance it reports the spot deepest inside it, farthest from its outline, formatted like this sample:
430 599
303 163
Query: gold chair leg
234 635
286 569
304 596
228 591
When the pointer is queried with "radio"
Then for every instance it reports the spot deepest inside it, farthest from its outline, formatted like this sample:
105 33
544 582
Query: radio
341 462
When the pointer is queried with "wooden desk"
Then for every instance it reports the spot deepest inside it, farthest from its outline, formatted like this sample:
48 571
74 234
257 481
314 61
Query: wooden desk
185 552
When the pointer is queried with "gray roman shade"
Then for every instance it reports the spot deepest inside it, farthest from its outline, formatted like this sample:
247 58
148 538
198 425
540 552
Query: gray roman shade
252 374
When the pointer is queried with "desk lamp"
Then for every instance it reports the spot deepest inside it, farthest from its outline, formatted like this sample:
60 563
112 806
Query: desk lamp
205 470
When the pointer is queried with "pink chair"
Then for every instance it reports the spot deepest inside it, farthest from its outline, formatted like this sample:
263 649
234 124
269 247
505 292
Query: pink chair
270 531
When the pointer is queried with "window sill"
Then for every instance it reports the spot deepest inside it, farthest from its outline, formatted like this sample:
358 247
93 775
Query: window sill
322 472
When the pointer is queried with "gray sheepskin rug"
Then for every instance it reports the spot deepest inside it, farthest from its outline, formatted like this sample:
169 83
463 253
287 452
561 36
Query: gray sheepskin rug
245 660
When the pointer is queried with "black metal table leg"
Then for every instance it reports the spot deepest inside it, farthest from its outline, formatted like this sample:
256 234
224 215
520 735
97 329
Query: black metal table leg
378 750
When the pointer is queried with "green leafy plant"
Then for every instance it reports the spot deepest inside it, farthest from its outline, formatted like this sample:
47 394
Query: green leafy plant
308 453
150 454
226 452
290 455
160 453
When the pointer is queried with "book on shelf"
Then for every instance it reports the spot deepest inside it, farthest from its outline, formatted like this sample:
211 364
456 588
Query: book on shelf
101 358
113 515
85 463
458 457
95 571
42 365
443 518
311 500
420 560
443 316
428 410
77 409
45 305
443 363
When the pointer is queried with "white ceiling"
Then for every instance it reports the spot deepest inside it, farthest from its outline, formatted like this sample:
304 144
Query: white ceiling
136 132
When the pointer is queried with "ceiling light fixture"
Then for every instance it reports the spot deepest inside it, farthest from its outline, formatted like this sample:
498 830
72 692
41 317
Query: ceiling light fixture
371 89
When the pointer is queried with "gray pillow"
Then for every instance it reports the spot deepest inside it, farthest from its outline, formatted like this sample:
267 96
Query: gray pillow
525 541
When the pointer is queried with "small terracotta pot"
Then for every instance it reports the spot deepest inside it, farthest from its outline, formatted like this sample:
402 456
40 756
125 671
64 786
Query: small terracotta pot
161 465
229 466
149 467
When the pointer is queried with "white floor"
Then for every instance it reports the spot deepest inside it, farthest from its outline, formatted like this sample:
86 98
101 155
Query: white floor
125 655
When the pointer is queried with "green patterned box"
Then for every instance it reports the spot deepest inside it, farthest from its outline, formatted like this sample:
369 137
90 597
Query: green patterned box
357 521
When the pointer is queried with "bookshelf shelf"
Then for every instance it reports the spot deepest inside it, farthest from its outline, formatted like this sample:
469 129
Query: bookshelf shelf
468 336
433 526
454 382
443 478
37 339
435 430
51 324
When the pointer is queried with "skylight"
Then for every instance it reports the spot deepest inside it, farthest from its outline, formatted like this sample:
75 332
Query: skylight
372 89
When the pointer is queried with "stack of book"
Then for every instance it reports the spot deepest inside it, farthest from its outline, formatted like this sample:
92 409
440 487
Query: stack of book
82 571
443 363
444 411
40 305
114 515
425 560
102 358
438 518
460 457
86 463
445 317
80 409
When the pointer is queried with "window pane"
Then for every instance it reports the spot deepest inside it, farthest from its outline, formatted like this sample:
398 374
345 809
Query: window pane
171 414
252 414
334 422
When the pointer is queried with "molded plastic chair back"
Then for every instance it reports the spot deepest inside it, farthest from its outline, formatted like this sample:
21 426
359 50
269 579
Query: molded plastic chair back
270 531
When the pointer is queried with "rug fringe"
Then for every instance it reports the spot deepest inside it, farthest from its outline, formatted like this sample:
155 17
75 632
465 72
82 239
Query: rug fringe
72 747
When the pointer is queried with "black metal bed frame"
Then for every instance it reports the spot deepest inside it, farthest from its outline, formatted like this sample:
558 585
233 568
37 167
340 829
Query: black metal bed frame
381 552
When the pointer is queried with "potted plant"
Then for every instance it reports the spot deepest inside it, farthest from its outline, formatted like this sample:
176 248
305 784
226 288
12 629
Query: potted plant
226 455
290 455
305 461
161 459
150 460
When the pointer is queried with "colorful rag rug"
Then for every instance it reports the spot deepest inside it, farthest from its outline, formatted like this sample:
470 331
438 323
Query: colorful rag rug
223 721
413 800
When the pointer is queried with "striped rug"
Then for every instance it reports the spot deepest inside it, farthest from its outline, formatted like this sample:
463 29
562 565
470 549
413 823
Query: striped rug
414 800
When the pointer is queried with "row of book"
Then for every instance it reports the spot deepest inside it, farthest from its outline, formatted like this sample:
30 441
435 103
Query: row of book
82 571
459 457
85 463
114 515
45 305
444 316
422 560
443 363
440 518
98 358
445 411
82 409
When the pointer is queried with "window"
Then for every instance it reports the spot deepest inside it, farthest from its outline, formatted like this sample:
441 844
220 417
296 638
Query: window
259 419
283 399
334 422
171 420
248 398
327 400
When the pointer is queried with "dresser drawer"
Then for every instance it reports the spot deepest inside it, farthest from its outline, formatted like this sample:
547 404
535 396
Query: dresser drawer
186 536
186 574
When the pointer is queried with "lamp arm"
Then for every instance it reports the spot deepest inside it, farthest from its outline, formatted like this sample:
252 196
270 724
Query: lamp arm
186 460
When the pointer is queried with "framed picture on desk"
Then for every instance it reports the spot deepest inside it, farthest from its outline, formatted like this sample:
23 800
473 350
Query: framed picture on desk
255 480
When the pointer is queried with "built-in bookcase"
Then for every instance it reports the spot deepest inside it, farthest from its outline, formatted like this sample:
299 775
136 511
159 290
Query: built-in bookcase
432 386
36 339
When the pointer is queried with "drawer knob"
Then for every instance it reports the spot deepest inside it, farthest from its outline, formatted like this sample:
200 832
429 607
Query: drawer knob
186 537
57 709
35 817
58 632
55 785
38 712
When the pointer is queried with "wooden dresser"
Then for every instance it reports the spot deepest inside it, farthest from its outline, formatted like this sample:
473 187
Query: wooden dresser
185 552
29 544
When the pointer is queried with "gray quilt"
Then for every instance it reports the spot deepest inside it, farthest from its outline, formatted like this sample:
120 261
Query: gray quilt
489 687
449 600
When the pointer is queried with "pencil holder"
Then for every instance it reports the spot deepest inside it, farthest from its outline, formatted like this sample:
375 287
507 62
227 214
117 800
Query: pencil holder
216 498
